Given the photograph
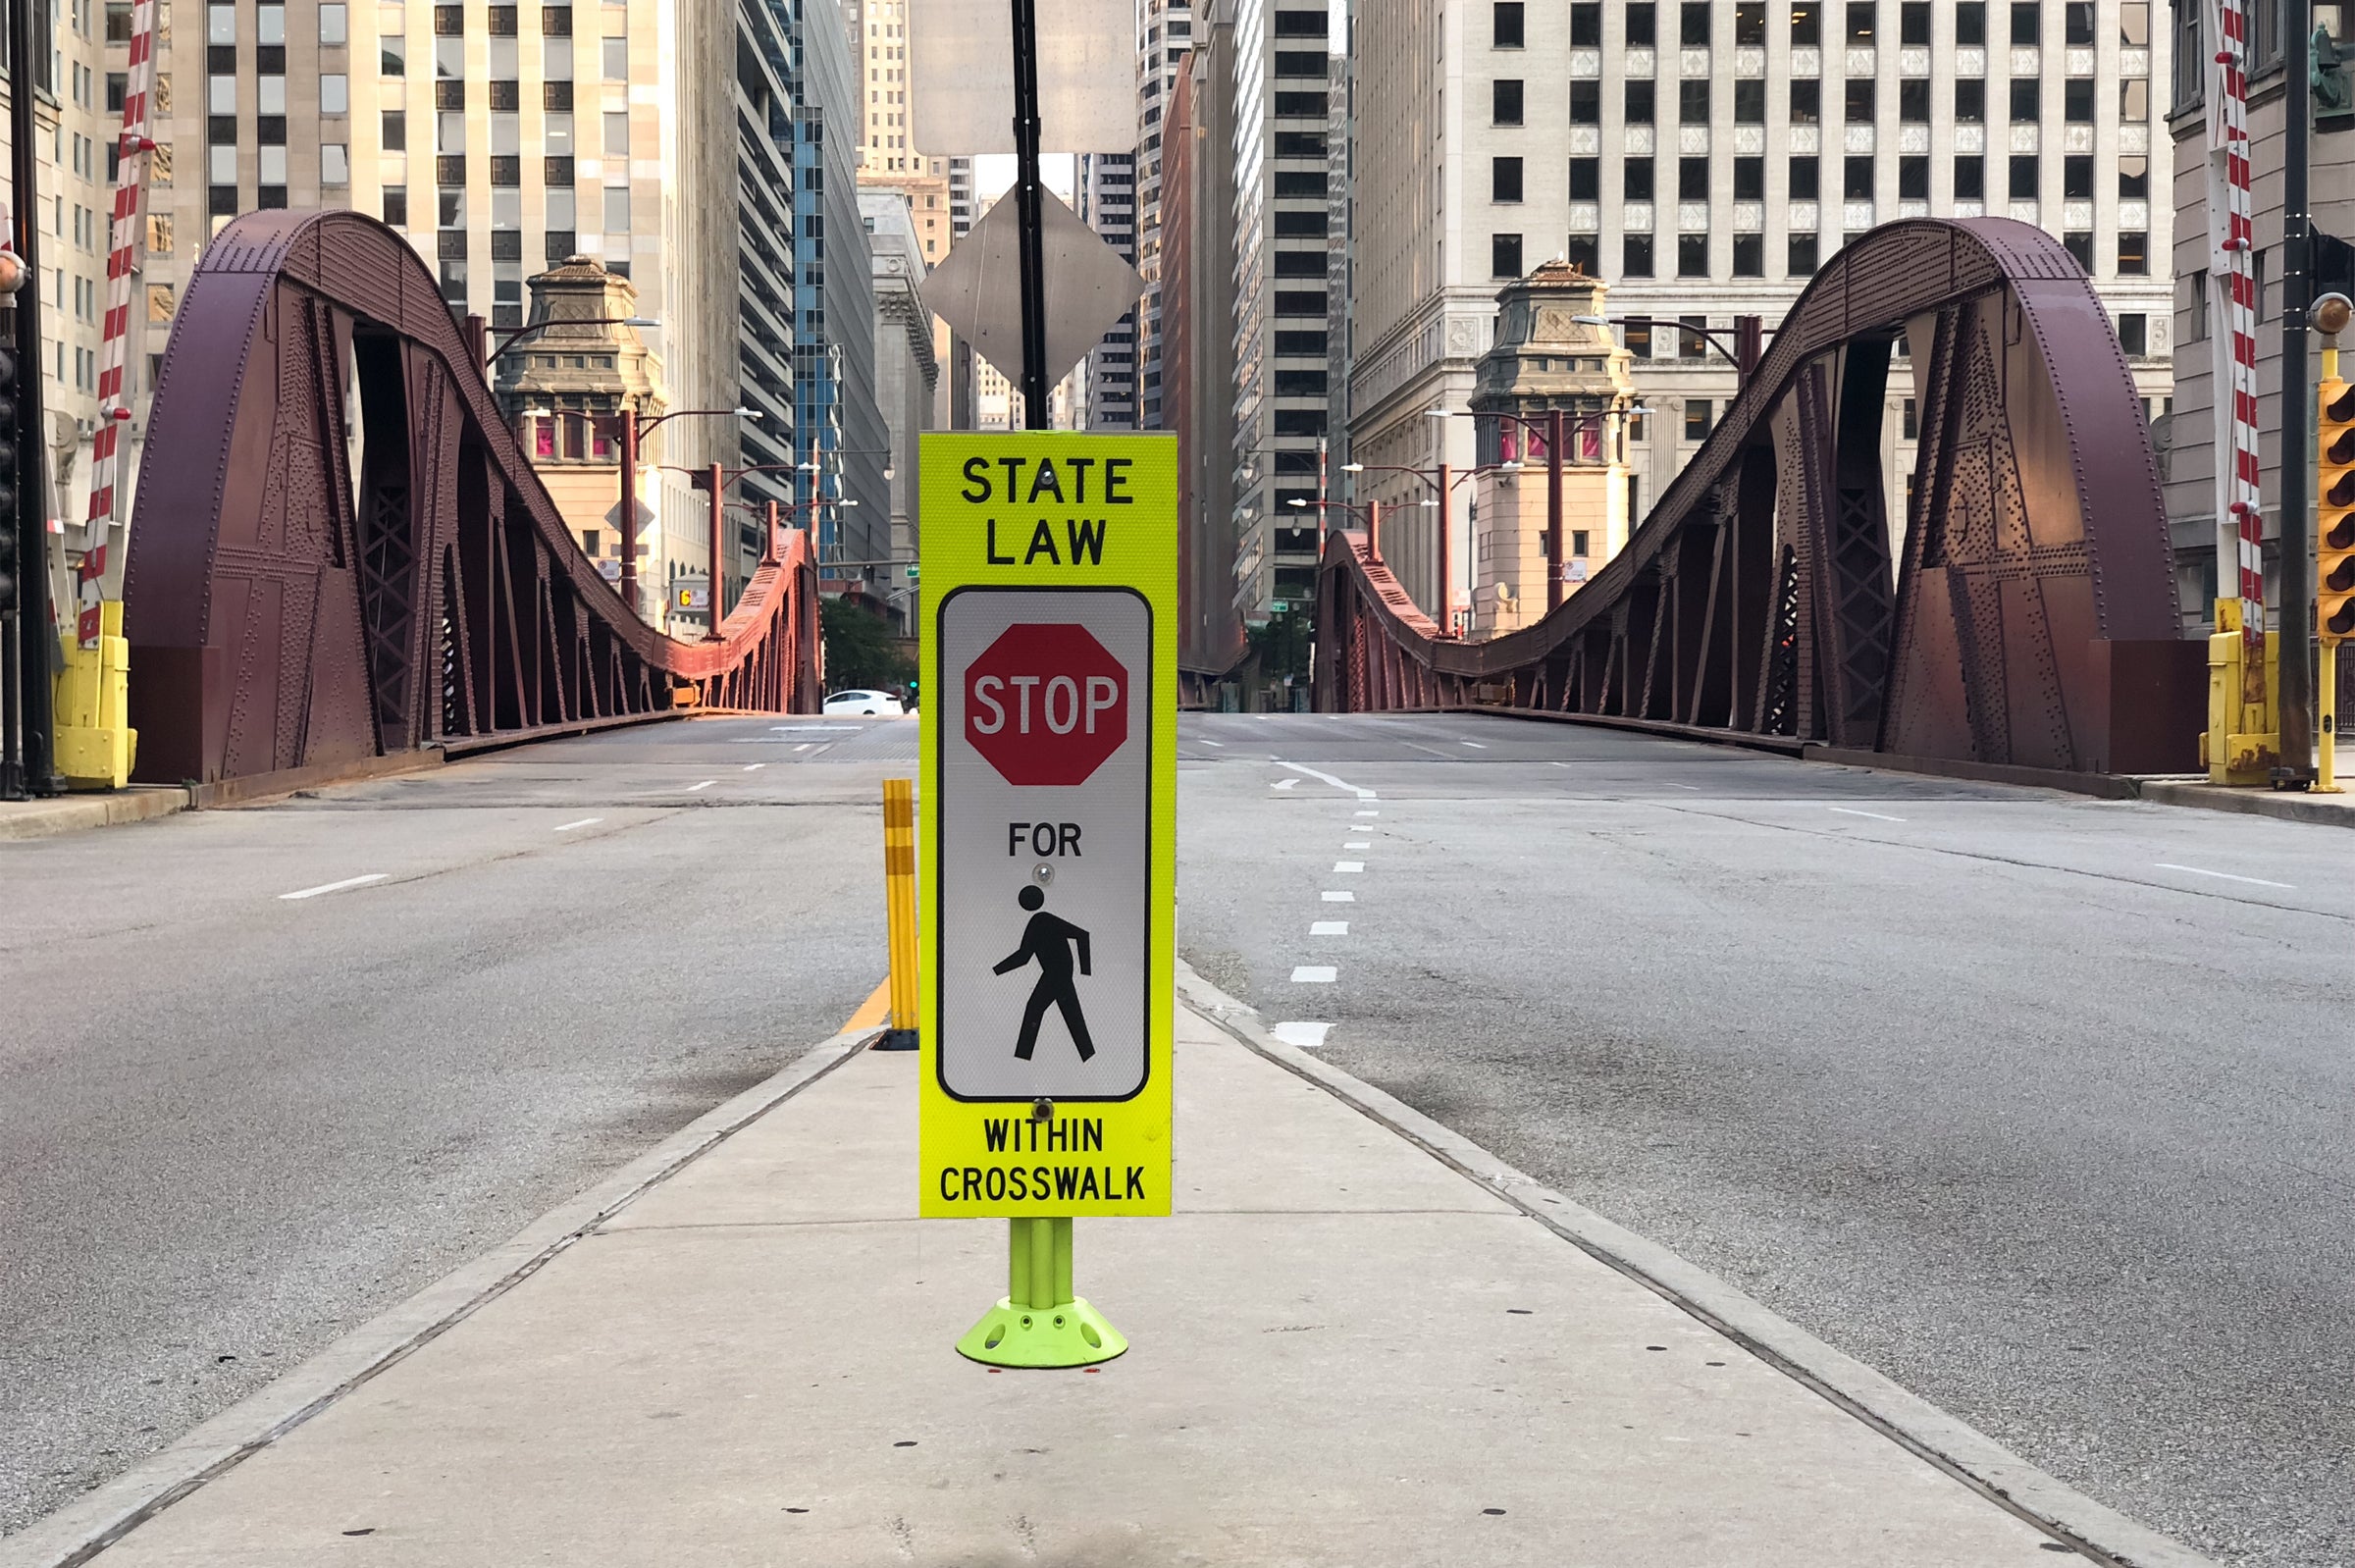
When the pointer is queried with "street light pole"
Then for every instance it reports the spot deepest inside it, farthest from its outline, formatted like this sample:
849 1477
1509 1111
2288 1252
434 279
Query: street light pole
628 514
719 549
36 628
2294 544
1554 510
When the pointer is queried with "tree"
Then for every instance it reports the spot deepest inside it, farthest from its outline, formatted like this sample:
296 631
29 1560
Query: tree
859 649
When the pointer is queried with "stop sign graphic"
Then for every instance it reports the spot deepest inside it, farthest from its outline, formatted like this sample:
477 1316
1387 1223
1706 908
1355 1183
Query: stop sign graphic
1046 703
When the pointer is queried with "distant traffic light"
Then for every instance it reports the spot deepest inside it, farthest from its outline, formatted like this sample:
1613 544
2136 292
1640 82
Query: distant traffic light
2334 533
10 529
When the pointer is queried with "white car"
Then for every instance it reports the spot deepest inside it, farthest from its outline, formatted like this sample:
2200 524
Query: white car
871 704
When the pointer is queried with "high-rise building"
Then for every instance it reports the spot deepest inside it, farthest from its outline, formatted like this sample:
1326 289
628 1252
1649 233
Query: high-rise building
1198 324
906 374
886 161
1703 158
1106 188
1282 343
1165 31
838 423
500 140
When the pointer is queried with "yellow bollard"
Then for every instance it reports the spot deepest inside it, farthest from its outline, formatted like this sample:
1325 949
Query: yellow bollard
2325 778
899 900
96 746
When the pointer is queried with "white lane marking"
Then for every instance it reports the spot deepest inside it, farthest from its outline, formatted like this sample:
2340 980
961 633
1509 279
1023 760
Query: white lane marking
1557 765
1476 746
1314 973
805 745
753 767
586 822
1875 816
1328 929
338 887
1326 778
1345 867
1285 783
1345 896
1308 1036
1359 844
2227 876
1202 741
704 785
1365 814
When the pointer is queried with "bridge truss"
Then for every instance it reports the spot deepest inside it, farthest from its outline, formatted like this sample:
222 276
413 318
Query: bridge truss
2029 615
340 550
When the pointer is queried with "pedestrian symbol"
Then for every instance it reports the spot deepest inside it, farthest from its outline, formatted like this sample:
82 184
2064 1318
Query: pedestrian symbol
1050 943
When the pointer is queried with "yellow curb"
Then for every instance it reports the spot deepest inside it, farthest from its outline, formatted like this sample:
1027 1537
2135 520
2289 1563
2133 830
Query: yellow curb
874 1012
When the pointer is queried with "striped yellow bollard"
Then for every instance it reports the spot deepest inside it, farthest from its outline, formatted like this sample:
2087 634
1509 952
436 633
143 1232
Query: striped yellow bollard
899 898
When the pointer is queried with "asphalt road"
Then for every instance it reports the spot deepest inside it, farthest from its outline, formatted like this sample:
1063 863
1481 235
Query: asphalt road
2038 1104
238 1125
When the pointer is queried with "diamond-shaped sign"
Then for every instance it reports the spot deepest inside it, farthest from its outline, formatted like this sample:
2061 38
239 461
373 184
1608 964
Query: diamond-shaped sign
979 290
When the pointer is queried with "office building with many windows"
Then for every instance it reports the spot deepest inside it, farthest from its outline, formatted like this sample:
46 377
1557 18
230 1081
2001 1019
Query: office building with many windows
1165 31
1106 186
1704 157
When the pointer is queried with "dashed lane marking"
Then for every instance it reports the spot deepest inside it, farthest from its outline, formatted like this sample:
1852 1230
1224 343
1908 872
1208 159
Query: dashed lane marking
2226 876
753 767
1341 896
1348 867
337 887
704 785
1302 1033
1478 746
586 822
1367 814
1204 741
1328 929
1674 785
1315 973
1359 844
1878 816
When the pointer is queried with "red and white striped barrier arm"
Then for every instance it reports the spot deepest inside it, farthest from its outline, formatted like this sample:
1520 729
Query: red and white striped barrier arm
114 351
2233 264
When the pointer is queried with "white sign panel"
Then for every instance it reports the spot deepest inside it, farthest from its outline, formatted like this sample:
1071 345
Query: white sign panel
1046 829
961 68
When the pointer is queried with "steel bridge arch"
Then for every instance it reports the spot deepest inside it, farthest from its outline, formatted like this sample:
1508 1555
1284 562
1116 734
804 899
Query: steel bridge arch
2034 605
339 551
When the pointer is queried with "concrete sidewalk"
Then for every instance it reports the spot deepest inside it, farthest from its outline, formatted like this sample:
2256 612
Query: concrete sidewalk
1344 1352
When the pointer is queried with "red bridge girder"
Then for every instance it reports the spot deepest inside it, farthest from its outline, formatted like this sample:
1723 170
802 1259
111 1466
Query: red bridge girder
339 550
2032 620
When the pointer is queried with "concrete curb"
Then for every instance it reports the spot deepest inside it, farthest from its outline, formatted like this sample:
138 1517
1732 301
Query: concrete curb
2281 803
87 1526
73 814
1969 1456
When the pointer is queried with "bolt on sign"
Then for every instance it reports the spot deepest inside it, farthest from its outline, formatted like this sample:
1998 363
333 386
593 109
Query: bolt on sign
1049 822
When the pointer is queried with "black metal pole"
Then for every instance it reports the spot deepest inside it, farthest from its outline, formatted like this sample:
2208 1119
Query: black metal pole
36 627
2295 539
1037 415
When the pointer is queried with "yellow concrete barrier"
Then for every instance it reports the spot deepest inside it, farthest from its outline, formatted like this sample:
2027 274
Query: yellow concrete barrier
96 743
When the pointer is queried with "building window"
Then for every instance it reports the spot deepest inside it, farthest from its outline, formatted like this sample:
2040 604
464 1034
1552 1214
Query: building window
1970 101
1585 103
1691 179
616 58
1970 24
1585 25
1635 179
2027 24
1693 101
2133 178
1639 338
391 56
1806 25
1971 179
1505 180
1504 101
1693 29
1504 255
2134 332
1749 24
1508 24
2192 64
1911 426
1642 24
2135 101
2076 178
334 93
1861 98
1750 101
1802 261
1586 179
335 164
1749 180
1913 25
1749 255
1699 415
1914 100
1635 256
2027 99
1805 179
396 206
1578 538
2076 101
1861 21
395 136
1692 255
2079 245
2195 306
1639 98
617 209
1807 101
2134 254
1584 252
1856 179
2023 177
1914 178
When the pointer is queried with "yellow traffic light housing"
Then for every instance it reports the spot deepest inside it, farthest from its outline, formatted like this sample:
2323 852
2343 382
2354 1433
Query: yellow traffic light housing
2335 532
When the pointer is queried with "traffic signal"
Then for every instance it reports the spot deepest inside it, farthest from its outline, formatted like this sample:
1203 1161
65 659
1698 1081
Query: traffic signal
2334 531
11 524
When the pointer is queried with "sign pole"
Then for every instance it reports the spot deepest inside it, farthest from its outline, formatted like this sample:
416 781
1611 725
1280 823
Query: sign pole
1037 415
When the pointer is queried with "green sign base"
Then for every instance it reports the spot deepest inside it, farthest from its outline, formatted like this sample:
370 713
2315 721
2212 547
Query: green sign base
1073 1334
1038 1321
